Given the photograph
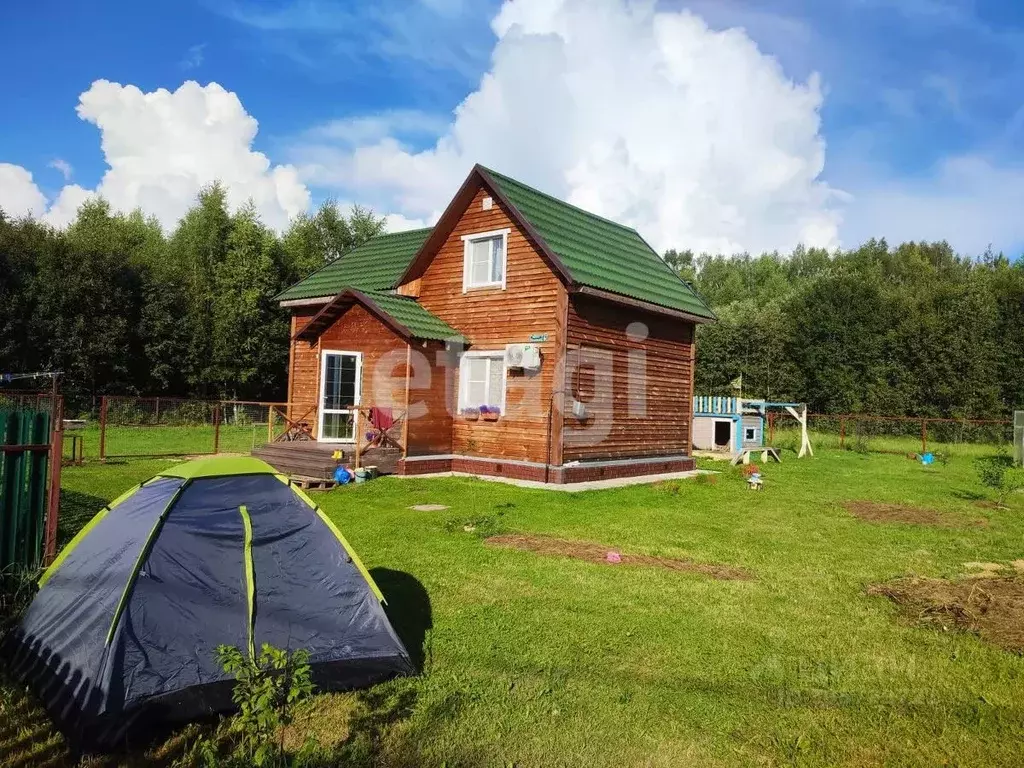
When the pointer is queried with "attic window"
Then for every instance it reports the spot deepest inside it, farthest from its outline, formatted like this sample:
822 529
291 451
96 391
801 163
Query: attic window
488 203
484 259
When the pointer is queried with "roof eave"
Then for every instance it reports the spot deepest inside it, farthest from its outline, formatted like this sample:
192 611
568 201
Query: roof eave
647 306
311 301
356 296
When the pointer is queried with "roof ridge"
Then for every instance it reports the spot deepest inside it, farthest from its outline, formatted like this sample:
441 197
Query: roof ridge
393 234
559 200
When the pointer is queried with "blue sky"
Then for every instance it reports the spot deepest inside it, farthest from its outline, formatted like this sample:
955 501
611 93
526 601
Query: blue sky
921 104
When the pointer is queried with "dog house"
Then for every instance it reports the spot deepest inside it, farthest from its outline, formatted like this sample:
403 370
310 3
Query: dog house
727 424
731 424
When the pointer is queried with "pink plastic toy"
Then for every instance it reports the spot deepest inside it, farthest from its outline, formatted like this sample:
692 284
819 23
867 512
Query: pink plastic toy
613 557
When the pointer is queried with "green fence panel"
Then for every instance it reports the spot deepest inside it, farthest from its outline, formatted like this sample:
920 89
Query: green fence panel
23 487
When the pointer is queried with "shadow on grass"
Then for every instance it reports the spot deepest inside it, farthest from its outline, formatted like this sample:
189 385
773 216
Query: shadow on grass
373 738
382 732
408 608
969 495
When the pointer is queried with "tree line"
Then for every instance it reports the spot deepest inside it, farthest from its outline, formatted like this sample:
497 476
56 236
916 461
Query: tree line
911 330
121 307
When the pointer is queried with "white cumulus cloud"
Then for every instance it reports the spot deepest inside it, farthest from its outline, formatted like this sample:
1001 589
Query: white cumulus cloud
162 147
693 136
19 195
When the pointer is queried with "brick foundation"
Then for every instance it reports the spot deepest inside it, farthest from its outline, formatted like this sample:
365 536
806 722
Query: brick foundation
521 470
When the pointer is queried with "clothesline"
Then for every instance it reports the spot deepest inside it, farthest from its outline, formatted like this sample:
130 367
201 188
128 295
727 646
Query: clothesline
5 377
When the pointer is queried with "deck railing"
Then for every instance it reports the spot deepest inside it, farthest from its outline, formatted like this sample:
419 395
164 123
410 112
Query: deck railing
382 428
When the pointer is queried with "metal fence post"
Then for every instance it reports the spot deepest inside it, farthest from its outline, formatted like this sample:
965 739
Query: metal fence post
216 428
842 431
103 428
924 435
53 502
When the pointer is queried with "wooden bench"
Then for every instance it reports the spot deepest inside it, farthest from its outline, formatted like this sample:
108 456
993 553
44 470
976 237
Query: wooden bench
766 452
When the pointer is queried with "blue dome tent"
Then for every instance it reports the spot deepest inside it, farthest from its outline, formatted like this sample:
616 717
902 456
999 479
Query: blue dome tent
222 551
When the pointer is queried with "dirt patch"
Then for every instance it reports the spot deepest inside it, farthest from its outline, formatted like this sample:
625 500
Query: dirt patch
877 512
992 608
599 553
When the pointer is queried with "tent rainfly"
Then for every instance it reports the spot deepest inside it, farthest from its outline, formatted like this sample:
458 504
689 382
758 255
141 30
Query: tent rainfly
222 551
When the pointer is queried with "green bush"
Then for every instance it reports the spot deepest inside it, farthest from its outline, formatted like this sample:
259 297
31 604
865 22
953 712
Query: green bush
999 475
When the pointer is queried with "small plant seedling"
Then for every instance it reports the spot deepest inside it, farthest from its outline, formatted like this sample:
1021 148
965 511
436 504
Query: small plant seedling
997 474
267 688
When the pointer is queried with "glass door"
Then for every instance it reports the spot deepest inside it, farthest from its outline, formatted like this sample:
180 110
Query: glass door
340 374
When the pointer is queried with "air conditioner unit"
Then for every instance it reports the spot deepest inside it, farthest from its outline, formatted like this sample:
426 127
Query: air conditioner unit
531 357
525 356
514 355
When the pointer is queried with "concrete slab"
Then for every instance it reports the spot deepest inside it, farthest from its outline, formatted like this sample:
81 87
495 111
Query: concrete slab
590 485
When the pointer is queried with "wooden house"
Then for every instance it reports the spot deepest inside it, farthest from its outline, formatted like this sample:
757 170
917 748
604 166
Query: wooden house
520 337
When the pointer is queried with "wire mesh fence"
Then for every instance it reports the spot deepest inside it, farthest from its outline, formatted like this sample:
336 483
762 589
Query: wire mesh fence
163 426
17 398
131 426
898 434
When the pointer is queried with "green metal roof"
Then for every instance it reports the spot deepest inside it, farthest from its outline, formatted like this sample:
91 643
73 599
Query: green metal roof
411 314
375 265
597 252
600 253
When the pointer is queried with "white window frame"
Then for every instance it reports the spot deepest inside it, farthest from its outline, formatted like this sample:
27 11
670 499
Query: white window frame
320 410
467 241
494 354
752 431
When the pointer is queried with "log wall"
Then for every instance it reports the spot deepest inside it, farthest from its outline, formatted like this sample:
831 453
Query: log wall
636 382
532 303
383 375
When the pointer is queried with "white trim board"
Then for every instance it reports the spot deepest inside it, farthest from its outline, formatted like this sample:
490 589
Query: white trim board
464 371
470 238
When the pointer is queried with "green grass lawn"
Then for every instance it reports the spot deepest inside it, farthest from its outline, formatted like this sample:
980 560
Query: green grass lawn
540 661
163 440
169 440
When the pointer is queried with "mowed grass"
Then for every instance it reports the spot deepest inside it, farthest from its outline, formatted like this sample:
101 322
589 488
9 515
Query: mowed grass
532 660
147 441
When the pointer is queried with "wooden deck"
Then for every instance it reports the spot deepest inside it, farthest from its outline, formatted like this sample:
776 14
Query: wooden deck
310 459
